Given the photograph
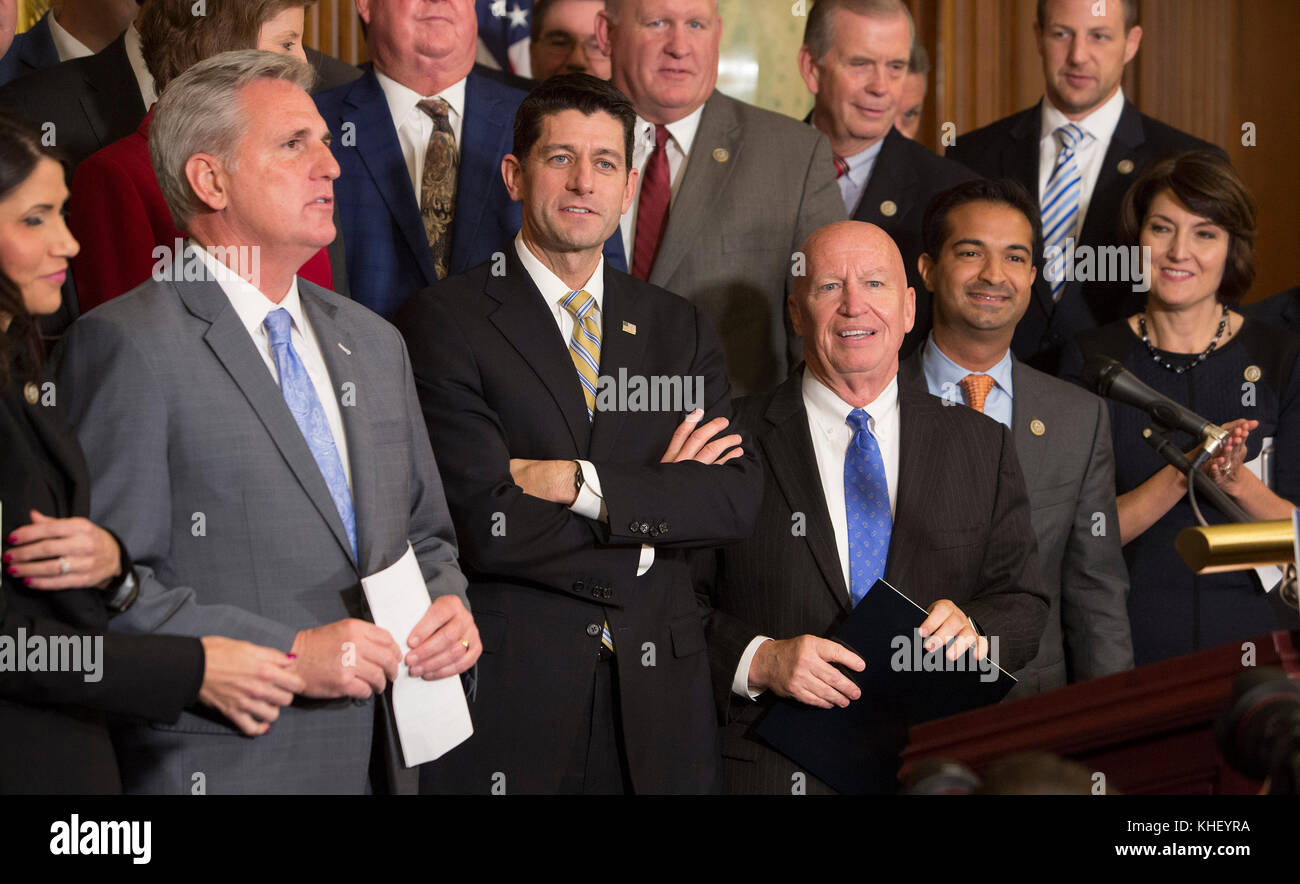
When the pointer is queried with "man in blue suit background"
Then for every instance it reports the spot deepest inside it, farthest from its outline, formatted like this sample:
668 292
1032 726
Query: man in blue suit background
419 139
78 28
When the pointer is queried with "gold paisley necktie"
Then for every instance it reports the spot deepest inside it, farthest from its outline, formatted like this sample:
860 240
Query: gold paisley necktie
438 183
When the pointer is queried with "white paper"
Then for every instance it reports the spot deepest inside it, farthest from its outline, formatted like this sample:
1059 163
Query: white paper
432 716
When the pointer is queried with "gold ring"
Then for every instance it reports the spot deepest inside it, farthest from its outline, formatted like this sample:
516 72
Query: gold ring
465 642
64 565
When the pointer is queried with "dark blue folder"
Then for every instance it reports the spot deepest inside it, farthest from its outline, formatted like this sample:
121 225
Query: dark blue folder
855 750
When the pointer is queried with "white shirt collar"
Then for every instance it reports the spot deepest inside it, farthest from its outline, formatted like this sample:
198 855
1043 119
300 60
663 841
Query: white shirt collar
683 131
402 100
552 288
135 54
68 46
1100 124
830 411
251 305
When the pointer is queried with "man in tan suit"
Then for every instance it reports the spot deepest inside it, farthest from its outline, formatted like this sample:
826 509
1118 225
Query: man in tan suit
726 191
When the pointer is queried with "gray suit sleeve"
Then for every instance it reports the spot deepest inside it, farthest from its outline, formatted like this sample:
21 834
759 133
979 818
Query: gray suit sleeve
431 533
119 411
1094 578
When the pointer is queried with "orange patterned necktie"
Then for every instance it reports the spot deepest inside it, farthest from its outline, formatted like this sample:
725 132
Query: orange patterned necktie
976 387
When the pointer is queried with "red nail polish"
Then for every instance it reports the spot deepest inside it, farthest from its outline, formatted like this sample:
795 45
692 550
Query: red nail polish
27 581
292 656
13 572
7 557
13 538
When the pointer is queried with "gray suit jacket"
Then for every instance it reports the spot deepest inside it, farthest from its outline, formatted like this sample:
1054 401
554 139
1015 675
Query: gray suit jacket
198 465
1069 472
756 185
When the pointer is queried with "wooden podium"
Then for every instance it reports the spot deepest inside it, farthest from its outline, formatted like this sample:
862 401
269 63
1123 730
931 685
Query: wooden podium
1149 730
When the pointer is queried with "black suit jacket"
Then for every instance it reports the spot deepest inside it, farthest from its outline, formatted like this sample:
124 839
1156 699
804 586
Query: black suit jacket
906 177
53 723
1281 310
961 533
1009 148
496 382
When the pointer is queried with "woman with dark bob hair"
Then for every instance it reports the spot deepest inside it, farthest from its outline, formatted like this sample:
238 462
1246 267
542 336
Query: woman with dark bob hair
1194 215
61 670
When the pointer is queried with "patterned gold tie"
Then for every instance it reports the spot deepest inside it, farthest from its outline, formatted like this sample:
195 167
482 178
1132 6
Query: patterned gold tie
584 345
976 387
438 183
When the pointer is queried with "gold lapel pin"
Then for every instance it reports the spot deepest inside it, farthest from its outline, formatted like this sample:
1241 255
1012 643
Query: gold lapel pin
31 393
629 327
1037 427
1125 167
1253 373
889 208
721 154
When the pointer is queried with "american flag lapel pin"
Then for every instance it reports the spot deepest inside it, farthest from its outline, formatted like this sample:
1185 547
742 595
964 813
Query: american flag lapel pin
629 327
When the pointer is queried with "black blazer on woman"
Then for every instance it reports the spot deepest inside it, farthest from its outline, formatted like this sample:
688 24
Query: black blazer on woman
53 724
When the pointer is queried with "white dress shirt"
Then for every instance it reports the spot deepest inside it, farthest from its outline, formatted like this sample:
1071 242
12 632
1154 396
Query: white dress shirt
68 46
134 54
831 436
681 135
415 127
253 307
591 499
1100 127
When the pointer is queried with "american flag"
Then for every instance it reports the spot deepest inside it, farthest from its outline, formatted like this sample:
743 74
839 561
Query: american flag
503 31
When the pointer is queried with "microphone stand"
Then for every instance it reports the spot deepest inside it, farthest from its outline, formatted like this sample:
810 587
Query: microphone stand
1197 482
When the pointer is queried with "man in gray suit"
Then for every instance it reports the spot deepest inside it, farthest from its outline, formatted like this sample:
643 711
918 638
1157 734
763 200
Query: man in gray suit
727 192
257 443
981 241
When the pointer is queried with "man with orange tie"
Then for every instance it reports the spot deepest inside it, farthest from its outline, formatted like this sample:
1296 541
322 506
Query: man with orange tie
981 240
727 191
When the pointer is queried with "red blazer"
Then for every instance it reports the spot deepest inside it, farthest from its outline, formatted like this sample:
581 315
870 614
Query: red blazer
117 213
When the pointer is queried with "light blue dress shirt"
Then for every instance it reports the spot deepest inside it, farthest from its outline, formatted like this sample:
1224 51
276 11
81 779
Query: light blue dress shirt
853 183
943 377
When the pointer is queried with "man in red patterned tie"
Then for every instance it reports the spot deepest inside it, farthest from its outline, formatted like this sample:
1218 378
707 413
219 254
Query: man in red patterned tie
727 191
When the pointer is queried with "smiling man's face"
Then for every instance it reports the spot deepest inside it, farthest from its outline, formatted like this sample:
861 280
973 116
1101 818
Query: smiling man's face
664 54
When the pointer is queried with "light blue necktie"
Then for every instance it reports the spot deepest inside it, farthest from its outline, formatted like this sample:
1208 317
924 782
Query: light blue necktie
866 504
300 395
1061 199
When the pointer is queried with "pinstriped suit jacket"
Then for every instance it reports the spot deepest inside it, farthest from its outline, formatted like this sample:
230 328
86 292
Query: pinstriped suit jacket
958 534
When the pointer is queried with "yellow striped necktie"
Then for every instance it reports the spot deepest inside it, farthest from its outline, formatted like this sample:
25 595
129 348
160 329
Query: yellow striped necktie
584 349
584 344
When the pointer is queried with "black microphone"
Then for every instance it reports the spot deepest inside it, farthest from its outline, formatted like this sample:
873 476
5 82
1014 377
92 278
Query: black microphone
1113 381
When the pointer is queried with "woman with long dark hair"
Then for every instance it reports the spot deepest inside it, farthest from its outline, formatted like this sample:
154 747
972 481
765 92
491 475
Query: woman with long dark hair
61 670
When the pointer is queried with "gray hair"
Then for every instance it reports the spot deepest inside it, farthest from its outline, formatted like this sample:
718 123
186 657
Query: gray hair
201 112
818 32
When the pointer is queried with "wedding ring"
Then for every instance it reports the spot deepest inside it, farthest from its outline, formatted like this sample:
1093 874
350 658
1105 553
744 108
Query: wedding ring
465 642
64 565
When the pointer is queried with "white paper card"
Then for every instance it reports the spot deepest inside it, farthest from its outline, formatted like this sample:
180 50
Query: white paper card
432 716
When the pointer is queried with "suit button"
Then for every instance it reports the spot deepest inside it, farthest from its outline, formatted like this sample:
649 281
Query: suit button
663 527
635 527
654 532
645 527
579 586
595 592
606 592
593 629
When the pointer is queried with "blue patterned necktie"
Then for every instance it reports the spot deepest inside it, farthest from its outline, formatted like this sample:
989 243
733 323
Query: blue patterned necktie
1061 199
866 504
300 395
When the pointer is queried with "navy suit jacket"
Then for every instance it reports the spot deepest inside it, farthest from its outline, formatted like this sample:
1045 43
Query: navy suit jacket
388 254
32 50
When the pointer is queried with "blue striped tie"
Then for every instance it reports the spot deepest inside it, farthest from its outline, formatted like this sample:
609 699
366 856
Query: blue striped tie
1061 199
300 395
866 506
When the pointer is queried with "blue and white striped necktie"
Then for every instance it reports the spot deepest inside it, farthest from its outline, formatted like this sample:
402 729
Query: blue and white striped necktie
1061 200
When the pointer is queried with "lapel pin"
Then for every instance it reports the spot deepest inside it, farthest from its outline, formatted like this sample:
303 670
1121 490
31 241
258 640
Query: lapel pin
889 208
1125 167
1037 427
629 327
31 393
344 349
1253 373
721 154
